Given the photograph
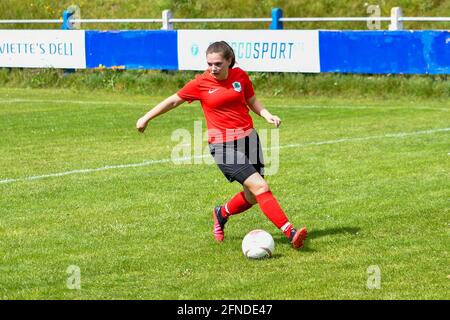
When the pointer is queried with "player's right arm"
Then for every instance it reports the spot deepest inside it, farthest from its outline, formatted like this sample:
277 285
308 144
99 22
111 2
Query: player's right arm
166 105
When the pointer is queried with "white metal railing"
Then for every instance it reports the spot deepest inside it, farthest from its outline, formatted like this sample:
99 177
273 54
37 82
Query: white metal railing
319 19
181 20
231 20
443 19
59 21
196 20
396 20
116 20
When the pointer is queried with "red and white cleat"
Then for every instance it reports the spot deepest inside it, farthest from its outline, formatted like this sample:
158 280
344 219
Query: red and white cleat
298 238
219 224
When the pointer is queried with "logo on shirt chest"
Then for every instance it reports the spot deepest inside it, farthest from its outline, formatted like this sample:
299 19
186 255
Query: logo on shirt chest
237 86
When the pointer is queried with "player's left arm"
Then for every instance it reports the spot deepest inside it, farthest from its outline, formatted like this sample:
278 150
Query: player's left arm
260 110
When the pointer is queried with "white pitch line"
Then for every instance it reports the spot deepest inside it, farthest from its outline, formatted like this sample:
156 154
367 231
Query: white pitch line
151 162
62 101
89 102
360 107
389 135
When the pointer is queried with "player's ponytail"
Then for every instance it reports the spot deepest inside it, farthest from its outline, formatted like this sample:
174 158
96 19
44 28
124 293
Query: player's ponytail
225 49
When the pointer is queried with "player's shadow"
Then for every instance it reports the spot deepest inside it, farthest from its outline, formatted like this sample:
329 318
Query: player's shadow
314 234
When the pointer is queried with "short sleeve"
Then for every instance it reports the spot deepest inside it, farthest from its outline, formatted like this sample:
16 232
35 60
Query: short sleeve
248 87
190 91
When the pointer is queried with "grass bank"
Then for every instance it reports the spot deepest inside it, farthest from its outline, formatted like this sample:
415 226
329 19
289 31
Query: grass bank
266 84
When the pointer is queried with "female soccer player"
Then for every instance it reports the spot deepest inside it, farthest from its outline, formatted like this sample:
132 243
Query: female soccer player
226 94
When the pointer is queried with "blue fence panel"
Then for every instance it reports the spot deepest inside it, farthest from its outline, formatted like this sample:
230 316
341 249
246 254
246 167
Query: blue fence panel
150 49
411 52
375 52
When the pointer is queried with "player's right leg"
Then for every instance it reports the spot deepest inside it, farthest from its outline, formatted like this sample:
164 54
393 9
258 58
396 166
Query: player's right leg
272 210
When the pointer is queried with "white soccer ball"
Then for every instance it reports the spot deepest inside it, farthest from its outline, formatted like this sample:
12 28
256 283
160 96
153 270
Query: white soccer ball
258 244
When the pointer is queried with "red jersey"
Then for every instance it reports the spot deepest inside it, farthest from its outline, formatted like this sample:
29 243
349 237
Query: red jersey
224 104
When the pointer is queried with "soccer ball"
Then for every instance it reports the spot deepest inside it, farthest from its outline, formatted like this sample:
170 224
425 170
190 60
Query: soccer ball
258 244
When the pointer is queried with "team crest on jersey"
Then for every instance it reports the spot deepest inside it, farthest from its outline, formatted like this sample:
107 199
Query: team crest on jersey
237 86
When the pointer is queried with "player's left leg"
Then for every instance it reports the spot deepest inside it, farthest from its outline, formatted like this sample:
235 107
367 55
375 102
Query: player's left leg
249 196
239 203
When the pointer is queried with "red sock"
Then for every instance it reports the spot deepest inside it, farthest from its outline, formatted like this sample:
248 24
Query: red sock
270 207
236 205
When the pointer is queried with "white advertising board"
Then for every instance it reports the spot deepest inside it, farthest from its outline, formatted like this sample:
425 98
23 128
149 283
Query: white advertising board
255 50
42 49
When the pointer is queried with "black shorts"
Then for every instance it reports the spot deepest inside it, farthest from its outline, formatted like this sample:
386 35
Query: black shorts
239 159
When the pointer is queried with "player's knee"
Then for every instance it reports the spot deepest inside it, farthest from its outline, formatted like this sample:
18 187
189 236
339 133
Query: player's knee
260 188
249 196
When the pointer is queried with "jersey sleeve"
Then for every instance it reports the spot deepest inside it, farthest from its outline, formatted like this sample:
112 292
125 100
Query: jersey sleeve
190 92
248 87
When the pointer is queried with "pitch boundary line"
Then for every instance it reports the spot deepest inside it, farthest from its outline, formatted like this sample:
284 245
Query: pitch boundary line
90 102
152 162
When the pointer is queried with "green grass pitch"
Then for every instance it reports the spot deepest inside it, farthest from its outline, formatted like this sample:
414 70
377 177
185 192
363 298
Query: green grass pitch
80 187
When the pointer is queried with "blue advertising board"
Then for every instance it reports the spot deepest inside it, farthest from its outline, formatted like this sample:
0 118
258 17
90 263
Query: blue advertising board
142 49
383 52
